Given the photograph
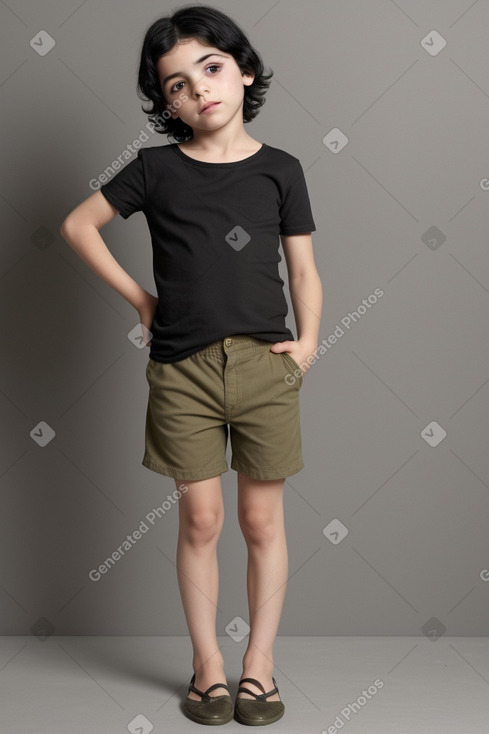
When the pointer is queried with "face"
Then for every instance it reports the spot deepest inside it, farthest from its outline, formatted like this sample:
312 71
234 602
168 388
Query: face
216 78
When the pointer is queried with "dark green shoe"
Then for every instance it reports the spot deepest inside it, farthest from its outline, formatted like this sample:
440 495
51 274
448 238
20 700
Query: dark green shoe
213 710
261 711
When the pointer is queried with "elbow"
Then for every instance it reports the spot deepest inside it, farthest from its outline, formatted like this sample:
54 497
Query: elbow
306 273
69 228
63 230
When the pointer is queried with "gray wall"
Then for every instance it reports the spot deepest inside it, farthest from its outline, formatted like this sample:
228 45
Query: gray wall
402 207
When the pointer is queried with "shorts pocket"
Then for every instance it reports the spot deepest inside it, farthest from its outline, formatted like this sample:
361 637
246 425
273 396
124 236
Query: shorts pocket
148 368
296 370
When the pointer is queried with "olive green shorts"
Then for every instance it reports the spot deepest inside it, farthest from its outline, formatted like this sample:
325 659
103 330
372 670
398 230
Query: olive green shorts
236 382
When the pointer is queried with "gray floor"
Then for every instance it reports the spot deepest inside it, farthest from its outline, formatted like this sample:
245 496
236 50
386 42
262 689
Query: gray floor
101 684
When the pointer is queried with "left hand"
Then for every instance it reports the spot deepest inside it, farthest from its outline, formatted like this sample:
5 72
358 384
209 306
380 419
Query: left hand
299 350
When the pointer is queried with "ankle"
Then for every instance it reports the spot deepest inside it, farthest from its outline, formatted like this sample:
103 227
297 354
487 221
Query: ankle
259 665
210 663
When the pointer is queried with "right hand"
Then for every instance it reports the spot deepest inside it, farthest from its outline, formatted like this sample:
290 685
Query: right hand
147 311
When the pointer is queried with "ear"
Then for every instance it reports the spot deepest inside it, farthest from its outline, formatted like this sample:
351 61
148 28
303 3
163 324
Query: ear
173 113
248 79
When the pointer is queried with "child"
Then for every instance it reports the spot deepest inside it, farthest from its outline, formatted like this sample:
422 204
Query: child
220 356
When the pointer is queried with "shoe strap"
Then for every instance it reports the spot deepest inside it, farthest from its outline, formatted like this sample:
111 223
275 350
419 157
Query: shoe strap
259 696
205 697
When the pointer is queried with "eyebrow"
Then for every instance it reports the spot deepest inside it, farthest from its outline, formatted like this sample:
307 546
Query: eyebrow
180 73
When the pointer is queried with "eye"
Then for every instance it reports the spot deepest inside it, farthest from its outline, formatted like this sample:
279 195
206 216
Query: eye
176 88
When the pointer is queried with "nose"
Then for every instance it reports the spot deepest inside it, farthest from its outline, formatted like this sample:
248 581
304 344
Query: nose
201 86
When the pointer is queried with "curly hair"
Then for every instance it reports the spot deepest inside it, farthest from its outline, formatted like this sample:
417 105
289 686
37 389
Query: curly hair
212 28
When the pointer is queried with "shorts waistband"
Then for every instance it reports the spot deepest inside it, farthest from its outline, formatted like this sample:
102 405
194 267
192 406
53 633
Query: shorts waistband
243 344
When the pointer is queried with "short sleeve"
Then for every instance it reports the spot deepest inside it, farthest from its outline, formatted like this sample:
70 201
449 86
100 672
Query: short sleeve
295 210
126 191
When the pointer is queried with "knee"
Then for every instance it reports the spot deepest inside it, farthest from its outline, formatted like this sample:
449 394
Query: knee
257 526
202 526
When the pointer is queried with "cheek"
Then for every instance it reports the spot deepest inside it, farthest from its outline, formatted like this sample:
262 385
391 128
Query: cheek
185 108
229 78
234 87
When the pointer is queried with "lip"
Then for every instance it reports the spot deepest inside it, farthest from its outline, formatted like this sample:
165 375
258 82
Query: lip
208 107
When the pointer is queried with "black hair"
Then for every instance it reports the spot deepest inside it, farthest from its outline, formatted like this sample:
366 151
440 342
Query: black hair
213 28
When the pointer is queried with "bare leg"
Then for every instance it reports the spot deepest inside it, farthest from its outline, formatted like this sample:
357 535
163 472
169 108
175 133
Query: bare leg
201 517
261 518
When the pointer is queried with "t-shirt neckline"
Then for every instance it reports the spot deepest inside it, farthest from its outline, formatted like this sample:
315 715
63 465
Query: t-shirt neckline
226 164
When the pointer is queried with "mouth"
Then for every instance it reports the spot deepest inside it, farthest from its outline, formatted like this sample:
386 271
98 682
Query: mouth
208 107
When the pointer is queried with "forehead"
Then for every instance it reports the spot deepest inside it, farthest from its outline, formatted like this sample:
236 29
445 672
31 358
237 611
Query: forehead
184 55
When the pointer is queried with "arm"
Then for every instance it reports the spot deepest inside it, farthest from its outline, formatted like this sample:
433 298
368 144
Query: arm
306 295
80 229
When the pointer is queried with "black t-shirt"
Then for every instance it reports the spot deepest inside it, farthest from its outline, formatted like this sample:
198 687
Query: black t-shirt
215 236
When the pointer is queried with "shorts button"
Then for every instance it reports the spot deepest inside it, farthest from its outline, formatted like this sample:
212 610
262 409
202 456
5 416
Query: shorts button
228 342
